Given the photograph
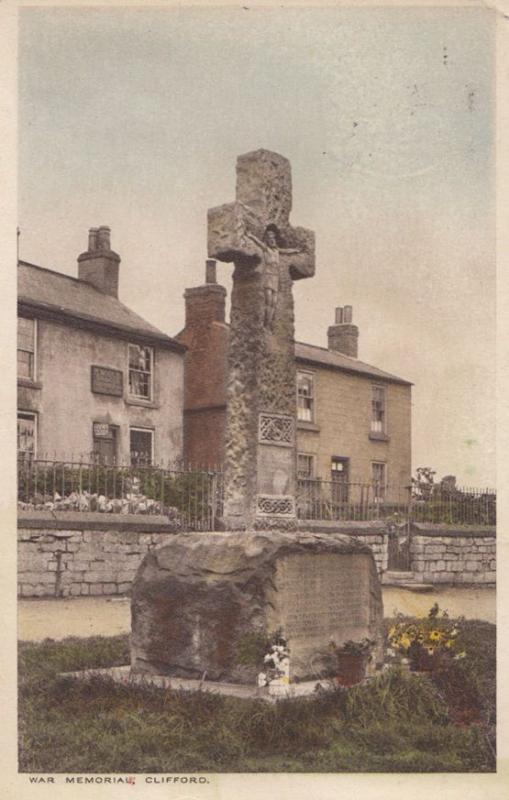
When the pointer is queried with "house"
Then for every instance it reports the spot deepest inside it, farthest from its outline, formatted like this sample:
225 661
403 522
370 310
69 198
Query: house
94 378
353 419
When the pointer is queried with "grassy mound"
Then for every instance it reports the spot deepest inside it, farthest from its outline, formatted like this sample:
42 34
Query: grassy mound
398 722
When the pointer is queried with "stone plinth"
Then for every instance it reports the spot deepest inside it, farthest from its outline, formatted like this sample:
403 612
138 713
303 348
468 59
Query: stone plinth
208 602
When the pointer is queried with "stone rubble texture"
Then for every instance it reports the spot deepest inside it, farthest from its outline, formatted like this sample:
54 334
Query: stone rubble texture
261 362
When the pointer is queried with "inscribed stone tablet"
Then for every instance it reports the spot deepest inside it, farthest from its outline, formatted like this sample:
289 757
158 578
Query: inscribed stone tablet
321 597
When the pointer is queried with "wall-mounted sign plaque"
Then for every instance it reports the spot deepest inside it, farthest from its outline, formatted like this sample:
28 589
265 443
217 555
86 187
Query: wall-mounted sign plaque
102 430
107 381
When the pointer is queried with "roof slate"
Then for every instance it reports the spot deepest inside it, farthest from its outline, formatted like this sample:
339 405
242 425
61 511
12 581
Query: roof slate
330 358
72 297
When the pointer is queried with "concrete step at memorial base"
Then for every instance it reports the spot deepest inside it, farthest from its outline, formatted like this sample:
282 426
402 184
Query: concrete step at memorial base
405 580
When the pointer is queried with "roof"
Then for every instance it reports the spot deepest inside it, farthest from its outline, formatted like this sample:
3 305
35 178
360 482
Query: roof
76 300
322 357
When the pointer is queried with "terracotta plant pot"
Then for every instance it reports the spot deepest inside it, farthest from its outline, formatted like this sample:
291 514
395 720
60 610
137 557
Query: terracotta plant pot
351 669
424 662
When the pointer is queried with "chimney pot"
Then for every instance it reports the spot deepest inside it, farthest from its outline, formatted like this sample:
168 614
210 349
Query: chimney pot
92 240
347 315
339 315
103 238
210 271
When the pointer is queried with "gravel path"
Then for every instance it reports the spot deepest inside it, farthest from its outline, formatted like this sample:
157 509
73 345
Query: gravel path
108 616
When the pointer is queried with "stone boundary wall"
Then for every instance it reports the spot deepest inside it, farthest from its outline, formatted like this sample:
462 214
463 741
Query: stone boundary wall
439 554
443 554
74 554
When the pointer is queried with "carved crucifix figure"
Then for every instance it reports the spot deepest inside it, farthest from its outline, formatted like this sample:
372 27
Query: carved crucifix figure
255 234
271 250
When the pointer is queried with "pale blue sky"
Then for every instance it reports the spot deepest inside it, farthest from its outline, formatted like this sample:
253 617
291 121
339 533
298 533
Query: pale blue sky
133 118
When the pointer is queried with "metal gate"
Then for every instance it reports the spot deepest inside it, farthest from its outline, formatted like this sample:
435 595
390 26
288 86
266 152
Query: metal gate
399 549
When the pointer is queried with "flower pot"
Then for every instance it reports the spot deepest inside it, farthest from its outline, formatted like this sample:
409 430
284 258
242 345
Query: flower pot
351 668
422 661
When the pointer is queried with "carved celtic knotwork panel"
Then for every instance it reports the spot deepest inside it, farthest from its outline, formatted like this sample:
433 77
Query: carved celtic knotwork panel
276 429
275 505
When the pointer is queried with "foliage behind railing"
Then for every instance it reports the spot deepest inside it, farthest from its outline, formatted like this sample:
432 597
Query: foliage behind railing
335 500
192 497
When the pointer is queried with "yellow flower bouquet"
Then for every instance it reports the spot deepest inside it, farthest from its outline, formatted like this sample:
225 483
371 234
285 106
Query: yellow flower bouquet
429 642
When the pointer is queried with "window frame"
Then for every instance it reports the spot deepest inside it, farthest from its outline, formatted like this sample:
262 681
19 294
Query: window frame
373 430
312 459
33 415
138 397
311 376
345 460
152 448
33 376
379 496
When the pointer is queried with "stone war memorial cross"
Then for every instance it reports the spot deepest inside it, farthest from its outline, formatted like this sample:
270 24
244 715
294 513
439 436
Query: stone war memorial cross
268 254
203 601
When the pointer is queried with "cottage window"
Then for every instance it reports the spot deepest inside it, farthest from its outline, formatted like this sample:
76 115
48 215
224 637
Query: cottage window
305 397
26 348
379 477
140 371
305 466
141 447
378 410
27 434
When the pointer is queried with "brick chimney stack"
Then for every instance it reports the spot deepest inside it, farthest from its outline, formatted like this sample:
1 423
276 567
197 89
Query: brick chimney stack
344 336
99 264
206 303
205 370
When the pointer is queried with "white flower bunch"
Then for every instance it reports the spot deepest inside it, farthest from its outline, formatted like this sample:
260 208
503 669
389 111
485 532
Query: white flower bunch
276 666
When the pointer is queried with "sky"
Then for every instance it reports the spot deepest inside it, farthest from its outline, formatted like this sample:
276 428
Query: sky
134 118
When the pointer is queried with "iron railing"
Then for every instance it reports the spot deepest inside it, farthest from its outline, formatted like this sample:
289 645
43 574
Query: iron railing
192 497
456 505
319 499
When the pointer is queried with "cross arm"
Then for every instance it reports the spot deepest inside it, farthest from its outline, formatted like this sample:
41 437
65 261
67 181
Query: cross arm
301 255
233 231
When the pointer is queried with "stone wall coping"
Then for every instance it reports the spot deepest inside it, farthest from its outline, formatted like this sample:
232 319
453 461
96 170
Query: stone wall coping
431 529
94 521
76 520
366 528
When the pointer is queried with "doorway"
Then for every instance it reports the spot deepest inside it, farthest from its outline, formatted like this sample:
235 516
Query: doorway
105 444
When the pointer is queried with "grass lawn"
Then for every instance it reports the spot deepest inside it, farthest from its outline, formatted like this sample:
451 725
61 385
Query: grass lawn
399 722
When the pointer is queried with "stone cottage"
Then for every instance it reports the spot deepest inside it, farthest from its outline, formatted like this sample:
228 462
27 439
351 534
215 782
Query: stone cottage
95 380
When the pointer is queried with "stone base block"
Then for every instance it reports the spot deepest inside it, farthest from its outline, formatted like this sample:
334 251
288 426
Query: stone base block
210 604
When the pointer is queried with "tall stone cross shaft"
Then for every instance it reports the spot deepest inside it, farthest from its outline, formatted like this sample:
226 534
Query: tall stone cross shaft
255 234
